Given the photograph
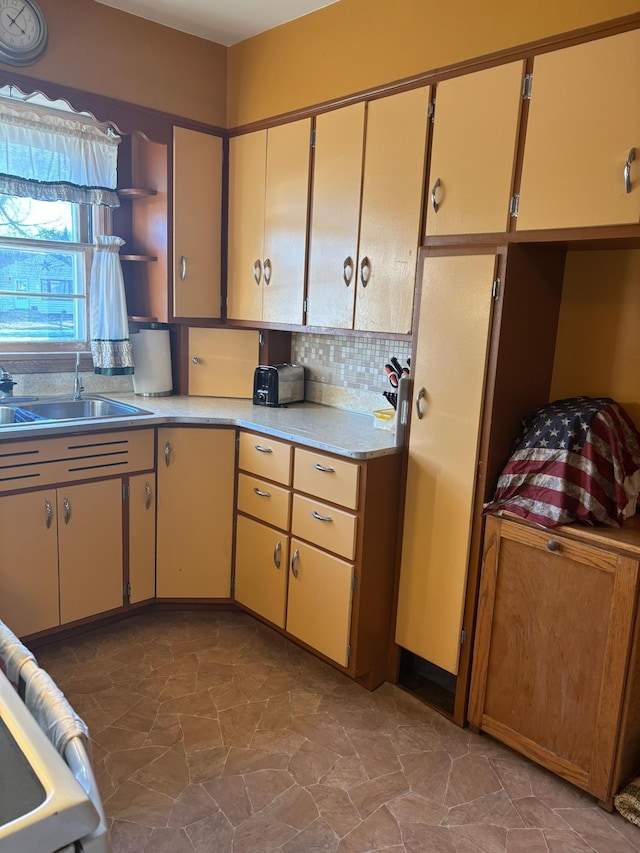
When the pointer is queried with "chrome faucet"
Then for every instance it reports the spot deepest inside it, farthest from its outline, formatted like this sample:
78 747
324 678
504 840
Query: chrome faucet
78 388
6 383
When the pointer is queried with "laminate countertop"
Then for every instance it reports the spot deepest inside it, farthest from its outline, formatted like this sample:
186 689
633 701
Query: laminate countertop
322 427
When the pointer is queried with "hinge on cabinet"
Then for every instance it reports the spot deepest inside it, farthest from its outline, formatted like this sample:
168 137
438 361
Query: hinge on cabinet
495 293
463 636
313 138
514 205
431 110
527 85
125 491
126 590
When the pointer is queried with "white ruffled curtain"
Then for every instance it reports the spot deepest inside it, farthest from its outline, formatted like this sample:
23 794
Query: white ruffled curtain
50 157
110 345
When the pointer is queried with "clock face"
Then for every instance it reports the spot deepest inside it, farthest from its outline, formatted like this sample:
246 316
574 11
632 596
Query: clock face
23 32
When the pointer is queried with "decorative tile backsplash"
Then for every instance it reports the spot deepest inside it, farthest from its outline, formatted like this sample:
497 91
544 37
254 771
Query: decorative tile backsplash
347 371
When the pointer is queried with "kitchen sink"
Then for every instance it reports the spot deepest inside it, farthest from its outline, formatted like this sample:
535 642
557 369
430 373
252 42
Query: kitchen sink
66 409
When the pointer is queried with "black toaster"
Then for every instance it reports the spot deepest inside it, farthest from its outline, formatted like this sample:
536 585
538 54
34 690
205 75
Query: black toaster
278 384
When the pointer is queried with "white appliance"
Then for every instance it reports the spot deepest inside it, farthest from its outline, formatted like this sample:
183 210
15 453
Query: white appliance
49 802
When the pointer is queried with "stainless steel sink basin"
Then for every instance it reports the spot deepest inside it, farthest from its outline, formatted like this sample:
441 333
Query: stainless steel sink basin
66 409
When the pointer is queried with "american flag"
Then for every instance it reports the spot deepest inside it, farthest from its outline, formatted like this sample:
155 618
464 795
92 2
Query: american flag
575 460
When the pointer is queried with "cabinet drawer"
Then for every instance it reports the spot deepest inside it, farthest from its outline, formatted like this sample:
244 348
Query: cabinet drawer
265 457
325 526
325 477
264 501
75 457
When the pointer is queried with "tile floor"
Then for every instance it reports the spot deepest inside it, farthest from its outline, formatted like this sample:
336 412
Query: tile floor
213 734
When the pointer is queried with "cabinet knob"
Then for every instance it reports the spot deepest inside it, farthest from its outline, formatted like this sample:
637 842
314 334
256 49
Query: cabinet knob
266 269
257 271
554 545
67 510
276 555
183 268
147 495
347 270
631 156
195 360
420 396
49 512
167 453
365 271
434 201
295 571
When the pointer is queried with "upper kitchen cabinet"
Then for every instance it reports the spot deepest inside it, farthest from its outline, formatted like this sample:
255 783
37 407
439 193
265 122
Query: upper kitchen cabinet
269 174
392 187
368 179
197 224
580 167
473 151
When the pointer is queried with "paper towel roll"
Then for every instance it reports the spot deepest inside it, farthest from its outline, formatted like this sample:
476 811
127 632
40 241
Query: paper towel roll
152 363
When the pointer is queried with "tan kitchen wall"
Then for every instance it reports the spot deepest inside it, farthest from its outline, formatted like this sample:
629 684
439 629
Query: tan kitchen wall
105 51
355 45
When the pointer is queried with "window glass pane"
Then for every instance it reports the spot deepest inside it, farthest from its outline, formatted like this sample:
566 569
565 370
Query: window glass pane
41 295
26 218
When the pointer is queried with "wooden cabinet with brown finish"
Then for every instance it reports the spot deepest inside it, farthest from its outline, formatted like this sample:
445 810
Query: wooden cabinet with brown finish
318 561
365 218
578 166
557 653
268 208
195 512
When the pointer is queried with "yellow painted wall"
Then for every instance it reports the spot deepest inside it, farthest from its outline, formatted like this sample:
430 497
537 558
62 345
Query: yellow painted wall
105 51
355 45
598 348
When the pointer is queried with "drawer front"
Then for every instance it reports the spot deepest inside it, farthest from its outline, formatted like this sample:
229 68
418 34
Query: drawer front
327 478
265 457
24 464
263 500
325 526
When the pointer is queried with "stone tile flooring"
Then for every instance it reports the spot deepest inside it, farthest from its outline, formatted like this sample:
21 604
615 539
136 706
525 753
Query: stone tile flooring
213 734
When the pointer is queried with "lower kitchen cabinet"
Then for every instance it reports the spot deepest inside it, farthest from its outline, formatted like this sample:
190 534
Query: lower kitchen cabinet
315 549
195 512
90 548
556 672
29 564
142 537
262 564
320 601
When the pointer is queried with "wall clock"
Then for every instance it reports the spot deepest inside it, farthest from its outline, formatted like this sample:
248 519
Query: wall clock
23 32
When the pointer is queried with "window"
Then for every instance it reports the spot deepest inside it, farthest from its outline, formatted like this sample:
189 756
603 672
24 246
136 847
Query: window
45 261
57 180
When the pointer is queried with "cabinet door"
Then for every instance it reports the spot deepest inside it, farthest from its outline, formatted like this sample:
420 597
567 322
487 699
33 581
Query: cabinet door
319 601
222 362
335 217
262 560
195 512
473 151
29 563
247 178
90 548
449 378
286 211
583 122
552 644
197 223
391 209
142 537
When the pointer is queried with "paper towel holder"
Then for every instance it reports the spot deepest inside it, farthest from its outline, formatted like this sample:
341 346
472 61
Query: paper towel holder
152 361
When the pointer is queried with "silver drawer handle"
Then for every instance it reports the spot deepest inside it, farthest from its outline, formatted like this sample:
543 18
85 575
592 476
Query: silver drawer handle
365 271
321 517
147 495
183 268
347 270
276 555
320 467
49 512
67 510
266 271
257 491
167 454
263 449
295 571
631 156
421 395
257 271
